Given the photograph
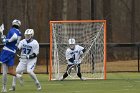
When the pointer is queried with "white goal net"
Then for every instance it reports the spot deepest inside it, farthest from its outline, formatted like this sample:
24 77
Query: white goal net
90 34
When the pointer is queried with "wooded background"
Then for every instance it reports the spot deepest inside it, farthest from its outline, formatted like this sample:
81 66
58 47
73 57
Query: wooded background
123 18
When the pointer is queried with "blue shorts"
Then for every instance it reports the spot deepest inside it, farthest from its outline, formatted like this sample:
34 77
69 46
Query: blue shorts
7 57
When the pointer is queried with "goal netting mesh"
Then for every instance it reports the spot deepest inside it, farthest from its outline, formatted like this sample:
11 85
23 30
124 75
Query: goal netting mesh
89 34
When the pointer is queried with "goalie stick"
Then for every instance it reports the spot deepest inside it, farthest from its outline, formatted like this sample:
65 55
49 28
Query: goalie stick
72 70
87 50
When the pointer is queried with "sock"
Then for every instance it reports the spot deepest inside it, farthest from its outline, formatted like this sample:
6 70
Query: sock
4 75
33 76
79 75
65 75
14 81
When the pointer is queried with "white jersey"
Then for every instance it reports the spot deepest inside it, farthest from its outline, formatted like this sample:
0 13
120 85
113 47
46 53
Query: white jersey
75 54
27 65
28 48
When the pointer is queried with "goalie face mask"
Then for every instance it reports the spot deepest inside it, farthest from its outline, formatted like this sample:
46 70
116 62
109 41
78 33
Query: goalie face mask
72 43
72 46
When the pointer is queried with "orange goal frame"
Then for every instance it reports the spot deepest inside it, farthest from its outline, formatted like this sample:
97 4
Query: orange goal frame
76 21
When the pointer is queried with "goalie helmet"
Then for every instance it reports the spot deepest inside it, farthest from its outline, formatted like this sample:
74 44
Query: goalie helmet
29 33
72 41
16 22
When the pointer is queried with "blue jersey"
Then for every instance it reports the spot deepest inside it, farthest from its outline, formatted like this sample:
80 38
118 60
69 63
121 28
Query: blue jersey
8 53
12 45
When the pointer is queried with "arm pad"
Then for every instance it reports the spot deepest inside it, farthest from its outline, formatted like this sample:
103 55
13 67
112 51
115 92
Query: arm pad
13 38
32 56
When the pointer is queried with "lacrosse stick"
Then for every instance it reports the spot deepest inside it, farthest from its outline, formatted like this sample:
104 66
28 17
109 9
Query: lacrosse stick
72 70
18 55
22 57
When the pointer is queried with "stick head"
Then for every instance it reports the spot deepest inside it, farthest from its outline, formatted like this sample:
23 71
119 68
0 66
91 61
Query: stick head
2 29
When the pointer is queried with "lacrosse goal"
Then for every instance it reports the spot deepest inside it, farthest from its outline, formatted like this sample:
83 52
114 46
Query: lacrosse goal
91 34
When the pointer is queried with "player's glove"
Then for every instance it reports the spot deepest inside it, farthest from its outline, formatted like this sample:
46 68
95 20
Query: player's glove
4 41
81 52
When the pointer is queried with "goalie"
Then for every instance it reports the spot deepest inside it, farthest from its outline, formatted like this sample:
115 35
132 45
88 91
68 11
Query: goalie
73 55
29 50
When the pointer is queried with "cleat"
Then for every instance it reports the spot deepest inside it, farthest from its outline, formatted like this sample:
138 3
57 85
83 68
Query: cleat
82 79
38 86
12 88
62 79
20 80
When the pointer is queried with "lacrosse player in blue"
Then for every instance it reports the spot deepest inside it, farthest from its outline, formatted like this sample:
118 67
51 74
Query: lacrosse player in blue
8 52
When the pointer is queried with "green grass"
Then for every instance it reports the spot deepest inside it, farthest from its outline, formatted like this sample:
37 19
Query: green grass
115 83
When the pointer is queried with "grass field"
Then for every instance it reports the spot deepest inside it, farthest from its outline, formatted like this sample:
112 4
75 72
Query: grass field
115 83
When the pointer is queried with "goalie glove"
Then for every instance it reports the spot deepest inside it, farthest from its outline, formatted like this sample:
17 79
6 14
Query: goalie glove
81 52
76 62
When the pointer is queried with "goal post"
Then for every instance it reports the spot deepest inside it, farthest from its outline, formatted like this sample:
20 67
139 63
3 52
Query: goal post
90 34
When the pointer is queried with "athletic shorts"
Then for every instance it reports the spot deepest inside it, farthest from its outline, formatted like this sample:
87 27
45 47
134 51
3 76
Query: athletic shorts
7 57
26 66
